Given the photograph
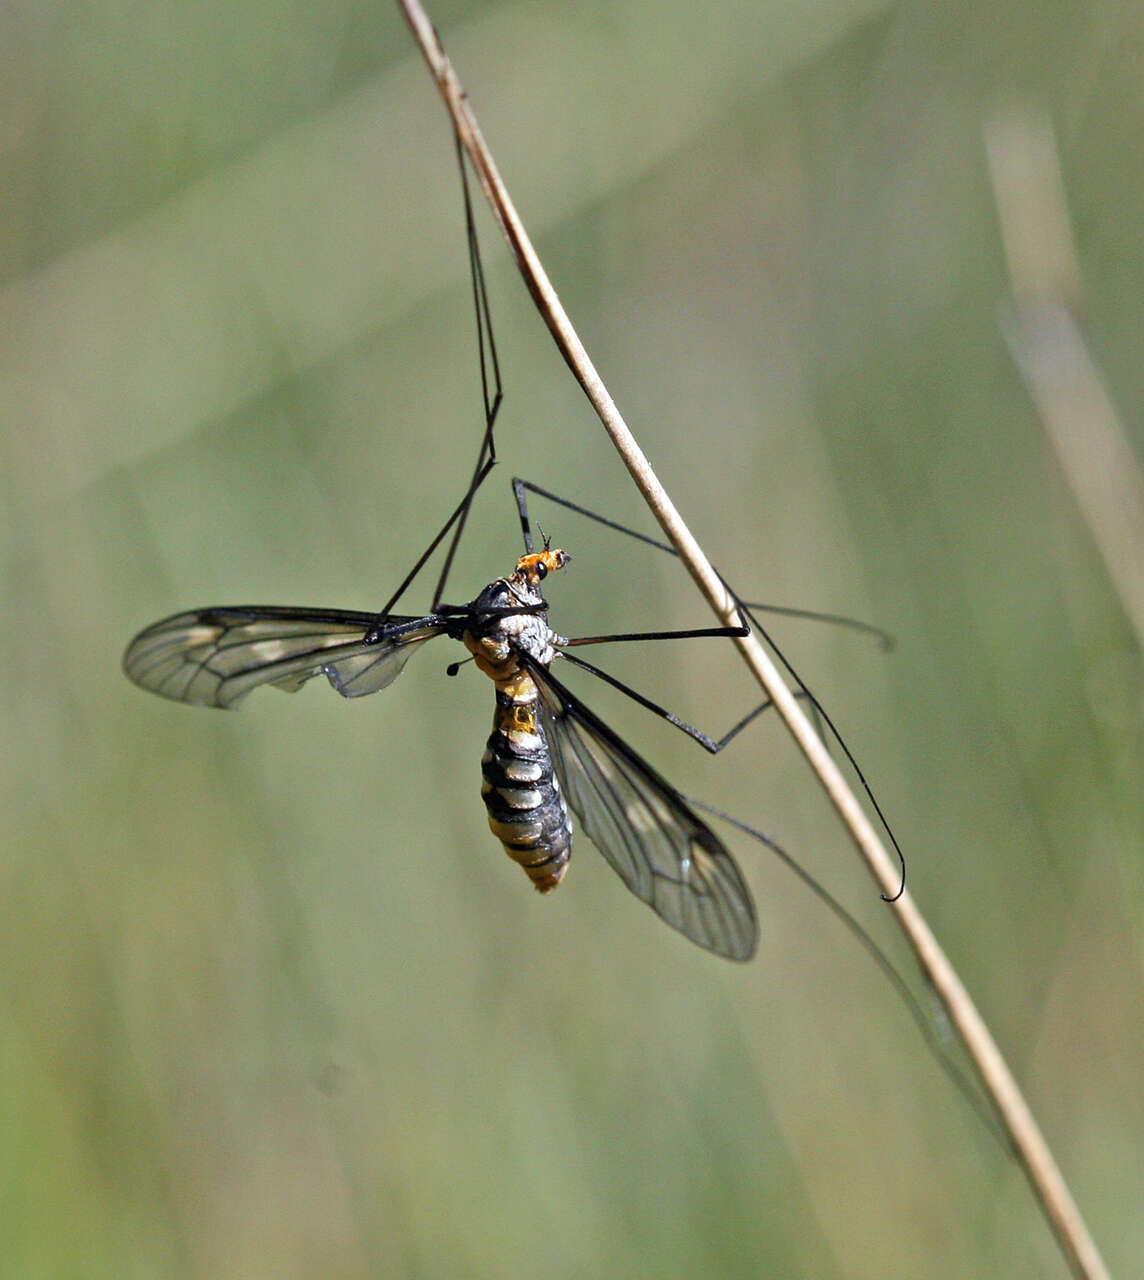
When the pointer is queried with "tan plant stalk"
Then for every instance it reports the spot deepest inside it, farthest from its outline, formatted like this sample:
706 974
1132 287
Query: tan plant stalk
1027 1140
1046 336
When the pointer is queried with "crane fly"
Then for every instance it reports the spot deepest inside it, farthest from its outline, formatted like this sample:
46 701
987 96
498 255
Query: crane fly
549 759
547 752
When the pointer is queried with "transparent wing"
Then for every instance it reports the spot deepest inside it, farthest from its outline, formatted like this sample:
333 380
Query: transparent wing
663 851
214 657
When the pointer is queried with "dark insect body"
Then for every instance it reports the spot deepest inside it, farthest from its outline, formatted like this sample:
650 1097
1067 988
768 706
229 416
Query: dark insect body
526 809
547 751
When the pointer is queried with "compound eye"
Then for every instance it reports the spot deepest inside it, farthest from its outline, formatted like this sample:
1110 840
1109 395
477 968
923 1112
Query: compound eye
541 571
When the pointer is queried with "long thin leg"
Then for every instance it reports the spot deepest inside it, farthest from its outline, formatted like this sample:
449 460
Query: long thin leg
702 633
458 513
821 710
698 633
520 486
704 740
491 396
932 1038
489 362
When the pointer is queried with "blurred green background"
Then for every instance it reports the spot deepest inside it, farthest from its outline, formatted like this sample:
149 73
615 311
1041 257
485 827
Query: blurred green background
274 1001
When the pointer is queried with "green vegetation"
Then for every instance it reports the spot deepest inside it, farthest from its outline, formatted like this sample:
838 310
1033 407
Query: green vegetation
274 1002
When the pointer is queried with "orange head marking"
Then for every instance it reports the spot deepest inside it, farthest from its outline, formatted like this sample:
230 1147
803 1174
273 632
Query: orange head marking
537 565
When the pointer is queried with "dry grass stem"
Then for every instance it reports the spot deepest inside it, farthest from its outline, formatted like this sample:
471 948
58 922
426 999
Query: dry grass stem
1027 1140
1048 344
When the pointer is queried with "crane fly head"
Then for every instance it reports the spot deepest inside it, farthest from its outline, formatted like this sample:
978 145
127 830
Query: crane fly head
537 565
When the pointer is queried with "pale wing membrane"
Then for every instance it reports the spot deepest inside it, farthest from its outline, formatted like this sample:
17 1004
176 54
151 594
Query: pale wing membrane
214 657
663 851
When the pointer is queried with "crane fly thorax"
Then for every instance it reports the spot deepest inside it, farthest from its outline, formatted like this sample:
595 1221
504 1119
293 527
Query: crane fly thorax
497 635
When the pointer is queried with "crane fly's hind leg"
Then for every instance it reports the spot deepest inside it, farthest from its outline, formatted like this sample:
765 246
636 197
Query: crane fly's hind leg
714 745
821 719
521 487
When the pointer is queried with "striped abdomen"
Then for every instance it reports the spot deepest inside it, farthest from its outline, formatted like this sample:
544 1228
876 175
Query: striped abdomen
527 813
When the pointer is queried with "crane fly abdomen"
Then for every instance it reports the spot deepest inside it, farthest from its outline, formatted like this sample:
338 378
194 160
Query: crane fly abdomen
527 813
